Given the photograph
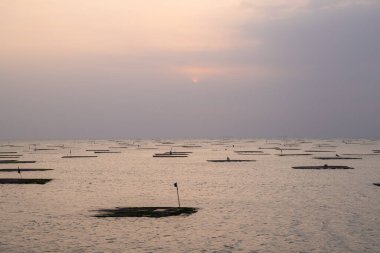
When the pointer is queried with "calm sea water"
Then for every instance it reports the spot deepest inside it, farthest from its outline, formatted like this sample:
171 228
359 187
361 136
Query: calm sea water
262 206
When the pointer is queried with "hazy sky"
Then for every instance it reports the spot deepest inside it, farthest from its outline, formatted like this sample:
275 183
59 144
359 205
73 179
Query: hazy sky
181 68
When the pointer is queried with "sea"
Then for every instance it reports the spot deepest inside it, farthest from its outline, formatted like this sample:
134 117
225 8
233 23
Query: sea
263 205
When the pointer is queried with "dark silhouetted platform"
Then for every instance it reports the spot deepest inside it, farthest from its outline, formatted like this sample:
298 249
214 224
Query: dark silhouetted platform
248 151
337 158
301 154
22 170
230 161
14 161
79 156
24 180
150 212
168 156
323 167
173 154
107 152
319 151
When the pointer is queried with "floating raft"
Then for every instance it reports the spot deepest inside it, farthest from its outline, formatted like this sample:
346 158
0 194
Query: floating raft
377 184
337 158
43 149
107 152
363 154
325 146
79 156
8 152
230 161
173 154
323 167
150 212
168 156
14 161
10 156
24 180
16 170
178 153
98 150
251 153
301 154
248 151
56 146
321 151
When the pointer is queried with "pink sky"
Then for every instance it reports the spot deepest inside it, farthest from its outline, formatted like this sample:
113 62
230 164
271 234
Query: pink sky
207 68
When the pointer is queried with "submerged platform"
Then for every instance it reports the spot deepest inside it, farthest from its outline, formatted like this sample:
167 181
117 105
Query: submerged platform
22 170
79 156
248 151
230 161
173 154
320 151
168 156
107 152
14 161
337 158
301 154
24 180
323 167
150 212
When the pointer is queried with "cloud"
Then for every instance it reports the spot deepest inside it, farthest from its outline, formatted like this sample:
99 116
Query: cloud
274 9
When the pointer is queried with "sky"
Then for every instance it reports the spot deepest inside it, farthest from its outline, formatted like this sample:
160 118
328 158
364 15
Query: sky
189 69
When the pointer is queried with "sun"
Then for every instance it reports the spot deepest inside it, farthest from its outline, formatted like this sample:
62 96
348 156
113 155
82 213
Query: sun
194 79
